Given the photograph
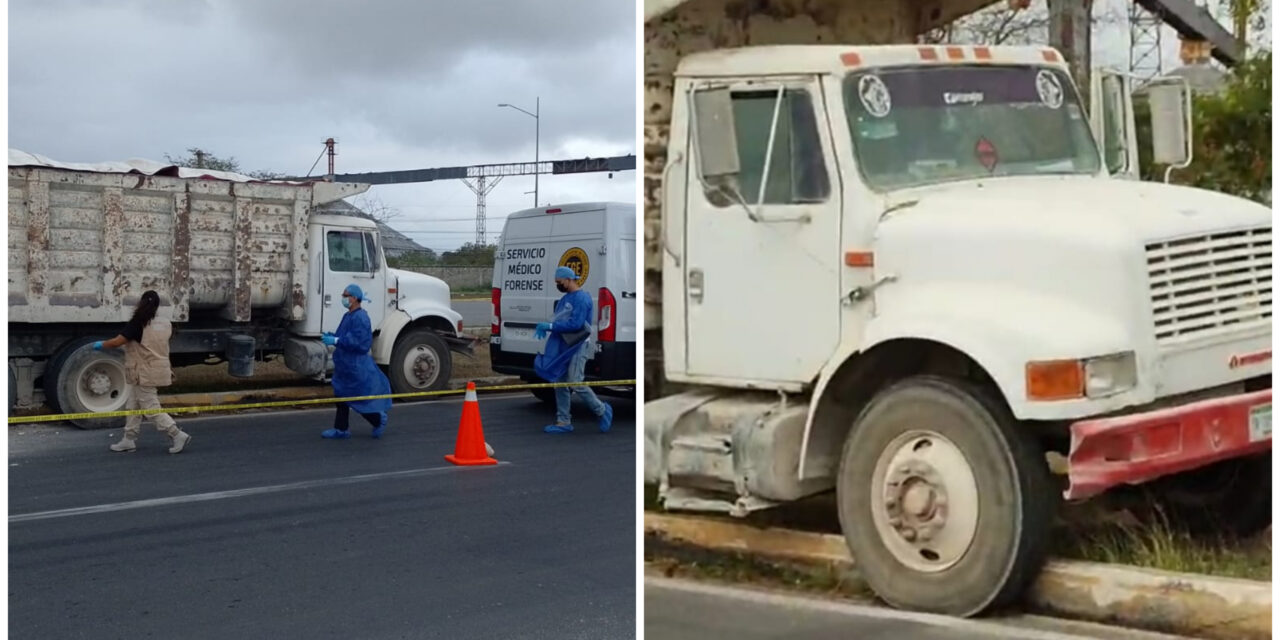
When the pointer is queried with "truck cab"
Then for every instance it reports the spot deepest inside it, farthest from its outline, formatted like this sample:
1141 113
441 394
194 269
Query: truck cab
414 328
915 275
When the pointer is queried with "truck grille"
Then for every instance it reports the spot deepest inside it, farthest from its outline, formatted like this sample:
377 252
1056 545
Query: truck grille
1209 285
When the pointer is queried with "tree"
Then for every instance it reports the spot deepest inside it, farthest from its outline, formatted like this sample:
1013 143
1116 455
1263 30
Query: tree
469 255
198 158
375 208
1017 22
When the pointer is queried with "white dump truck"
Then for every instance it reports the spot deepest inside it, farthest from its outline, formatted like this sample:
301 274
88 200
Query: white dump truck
244 270
924 277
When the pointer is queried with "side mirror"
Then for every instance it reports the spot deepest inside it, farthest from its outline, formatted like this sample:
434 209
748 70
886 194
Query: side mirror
1170 123
715 137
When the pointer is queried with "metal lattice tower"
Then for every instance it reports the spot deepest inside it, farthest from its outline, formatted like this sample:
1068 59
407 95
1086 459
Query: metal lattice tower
1146 57
481 190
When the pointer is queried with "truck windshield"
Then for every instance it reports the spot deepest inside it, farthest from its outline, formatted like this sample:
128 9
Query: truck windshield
915 126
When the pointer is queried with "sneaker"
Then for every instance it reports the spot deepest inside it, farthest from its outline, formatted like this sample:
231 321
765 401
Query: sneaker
606 419
125 444
382 426
180 442
335 434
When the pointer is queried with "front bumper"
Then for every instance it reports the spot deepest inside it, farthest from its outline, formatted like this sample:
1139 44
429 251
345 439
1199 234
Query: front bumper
1137 448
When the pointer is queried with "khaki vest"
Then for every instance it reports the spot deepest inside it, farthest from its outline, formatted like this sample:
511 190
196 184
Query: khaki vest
146 363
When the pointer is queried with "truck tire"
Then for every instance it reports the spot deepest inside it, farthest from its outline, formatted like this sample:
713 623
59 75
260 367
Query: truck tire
81 380
1232 497
420 361
945 503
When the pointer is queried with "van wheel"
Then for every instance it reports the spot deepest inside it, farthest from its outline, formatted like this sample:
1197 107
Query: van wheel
943 500
547 396
81 380
420 362
13 388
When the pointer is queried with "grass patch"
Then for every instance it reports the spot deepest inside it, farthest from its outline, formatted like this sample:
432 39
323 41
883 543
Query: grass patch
676 560
1158 545
1092 532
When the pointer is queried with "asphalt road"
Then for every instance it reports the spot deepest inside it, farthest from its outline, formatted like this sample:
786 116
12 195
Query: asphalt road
262 529
475 313
687 610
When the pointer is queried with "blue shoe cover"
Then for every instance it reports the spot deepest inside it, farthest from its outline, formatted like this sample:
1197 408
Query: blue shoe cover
558 428
606 419
377 431
334 434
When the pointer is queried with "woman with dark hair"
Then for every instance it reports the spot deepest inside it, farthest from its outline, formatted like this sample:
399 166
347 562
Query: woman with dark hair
146 366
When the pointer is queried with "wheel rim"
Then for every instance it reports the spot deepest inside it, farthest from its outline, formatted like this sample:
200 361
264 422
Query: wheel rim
100 386
924 501
421 366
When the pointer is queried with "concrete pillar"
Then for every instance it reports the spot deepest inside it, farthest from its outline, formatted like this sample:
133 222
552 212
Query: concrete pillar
1071 32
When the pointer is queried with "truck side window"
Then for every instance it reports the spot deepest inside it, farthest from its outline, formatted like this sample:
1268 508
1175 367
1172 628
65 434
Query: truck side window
347 252
797 171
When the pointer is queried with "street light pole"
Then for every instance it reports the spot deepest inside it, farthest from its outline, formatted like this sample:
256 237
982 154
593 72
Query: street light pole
537 126
537 133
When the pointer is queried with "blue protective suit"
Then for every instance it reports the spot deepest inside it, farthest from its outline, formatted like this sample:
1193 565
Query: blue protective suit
354 371
572 313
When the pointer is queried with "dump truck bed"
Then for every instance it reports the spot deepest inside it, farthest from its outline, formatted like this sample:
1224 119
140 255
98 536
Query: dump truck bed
86 240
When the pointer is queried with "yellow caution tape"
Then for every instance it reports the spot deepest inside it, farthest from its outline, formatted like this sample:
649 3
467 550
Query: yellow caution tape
317 401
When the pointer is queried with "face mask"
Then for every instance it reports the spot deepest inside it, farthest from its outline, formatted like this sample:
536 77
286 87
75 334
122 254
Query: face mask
346 303
560 287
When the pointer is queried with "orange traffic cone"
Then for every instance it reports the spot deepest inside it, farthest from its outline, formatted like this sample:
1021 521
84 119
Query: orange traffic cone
470 448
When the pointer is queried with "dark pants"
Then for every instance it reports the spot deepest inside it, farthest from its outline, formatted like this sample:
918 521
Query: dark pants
341 420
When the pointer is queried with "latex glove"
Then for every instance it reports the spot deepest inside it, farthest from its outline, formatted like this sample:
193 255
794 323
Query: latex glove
540 331
97 346
329 339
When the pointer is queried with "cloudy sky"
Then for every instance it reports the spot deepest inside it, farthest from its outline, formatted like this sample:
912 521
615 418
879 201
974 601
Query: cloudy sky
401 84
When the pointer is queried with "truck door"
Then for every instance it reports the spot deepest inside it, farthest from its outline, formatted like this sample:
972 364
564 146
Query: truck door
351 257
762 274
1114 126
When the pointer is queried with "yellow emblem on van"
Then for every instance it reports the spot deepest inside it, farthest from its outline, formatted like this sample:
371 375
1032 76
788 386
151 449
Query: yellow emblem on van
576 259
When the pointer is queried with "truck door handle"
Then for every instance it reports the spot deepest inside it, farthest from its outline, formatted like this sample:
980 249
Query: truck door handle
696 284
328 299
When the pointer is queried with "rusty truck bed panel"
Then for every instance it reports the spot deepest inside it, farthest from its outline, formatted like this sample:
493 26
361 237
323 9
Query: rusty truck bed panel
83 245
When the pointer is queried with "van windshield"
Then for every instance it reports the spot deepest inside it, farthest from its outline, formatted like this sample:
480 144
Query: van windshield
915 126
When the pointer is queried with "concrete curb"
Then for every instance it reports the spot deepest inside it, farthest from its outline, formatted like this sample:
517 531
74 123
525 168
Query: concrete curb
1203 606
292 393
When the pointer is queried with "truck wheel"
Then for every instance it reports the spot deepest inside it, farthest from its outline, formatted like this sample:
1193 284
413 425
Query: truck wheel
81 380
420 362
1232 497
944 502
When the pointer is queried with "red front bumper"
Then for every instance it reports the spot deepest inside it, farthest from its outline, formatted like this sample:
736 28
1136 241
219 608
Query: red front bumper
1137 448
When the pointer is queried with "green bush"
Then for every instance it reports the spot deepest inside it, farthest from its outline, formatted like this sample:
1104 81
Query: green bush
1232 136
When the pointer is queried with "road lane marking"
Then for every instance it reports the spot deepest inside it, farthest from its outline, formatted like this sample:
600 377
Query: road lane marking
767 598
222 495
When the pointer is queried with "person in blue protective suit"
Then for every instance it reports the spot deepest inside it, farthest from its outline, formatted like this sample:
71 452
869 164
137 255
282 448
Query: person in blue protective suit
355 373
568 348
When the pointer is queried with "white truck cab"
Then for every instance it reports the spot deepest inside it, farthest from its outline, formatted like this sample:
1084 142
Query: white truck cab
414 327
910 272
598 241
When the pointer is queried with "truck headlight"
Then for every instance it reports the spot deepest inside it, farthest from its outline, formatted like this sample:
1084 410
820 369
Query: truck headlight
1109 375
1088 377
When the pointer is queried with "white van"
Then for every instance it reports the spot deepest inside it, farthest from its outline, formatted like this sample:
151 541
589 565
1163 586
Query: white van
598 241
